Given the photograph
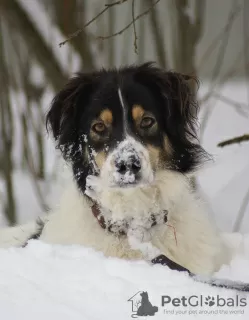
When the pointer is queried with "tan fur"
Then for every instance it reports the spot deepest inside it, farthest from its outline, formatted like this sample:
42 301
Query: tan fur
154 154
100 158
159 156
167 145
107 117
137 112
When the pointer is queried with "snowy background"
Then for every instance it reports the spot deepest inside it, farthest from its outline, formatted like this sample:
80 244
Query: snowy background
224 182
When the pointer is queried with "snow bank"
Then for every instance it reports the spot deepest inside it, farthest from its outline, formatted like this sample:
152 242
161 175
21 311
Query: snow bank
57 282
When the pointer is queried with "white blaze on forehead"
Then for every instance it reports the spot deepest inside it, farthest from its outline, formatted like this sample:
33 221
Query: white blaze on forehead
121 98
123 107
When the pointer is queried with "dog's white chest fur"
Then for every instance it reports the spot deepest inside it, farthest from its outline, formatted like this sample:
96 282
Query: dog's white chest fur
199 247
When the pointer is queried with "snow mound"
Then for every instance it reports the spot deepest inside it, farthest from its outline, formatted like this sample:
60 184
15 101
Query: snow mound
43 281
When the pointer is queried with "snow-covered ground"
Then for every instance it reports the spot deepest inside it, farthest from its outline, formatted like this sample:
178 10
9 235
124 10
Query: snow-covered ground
54 282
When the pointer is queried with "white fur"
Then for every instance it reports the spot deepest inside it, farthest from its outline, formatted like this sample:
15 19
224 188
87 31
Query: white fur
110 178
123 108
199 246
17 236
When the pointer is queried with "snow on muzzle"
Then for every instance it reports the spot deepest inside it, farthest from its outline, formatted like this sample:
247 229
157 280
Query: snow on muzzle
128 165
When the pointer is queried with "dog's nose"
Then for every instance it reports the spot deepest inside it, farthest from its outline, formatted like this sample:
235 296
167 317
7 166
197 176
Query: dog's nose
131 165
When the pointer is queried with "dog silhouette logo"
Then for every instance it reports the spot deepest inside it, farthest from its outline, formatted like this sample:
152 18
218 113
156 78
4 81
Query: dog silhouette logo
141 305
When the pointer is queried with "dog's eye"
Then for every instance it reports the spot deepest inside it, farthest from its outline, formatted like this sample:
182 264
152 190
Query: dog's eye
99 127
147 122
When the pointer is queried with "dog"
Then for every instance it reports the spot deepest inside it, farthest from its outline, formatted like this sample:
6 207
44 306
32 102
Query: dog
129 137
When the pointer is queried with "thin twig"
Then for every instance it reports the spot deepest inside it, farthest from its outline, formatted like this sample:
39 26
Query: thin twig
129 24
76 33
239 139
134 26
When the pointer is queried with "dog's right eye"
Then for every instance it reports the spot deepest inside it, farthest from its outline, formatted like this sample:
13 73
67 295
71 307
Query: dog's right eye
99 127
147 122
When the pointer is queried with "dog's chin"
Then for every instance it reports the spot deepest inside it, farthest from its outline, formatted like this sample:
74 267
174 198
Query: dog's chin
130 185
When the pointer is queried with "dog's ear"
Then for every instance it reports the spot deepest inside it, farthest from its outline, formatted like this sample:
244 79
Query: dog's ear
176 93
182 104
65 110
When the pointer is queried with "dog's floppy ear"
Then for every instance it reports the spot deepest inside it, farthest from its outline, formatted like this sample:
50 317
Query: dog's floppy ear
183 106
176 95
63 109
179 109
66 107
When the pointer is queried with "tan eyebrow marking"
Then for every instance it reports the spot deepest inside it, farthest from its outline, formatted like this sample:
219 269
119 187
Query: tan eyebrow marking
137 112
106 116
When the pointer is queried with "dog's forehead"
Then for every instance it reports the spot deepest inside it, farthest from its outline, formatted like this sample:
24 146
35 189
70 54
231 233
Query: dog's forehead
122 99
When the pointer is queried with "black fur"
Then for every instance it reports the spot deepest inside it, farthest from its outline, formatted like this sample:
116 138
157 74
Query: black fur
166 94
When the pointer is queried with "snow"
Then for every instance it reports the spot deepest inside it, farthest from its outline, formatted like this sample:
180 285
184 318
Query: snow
43 281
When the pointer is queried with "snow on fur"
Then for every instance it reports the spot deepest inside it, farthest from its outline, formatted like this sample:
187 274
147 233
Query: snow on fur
45 281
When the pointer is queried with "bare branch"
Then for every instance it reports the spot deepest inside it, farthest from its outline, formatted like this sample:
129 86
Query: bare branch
129 24
239 139
134 26
76 33
81 44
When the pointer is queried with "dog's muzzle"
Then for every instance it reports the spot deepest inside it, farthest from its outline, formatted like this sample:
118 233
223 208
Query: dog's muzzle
128 165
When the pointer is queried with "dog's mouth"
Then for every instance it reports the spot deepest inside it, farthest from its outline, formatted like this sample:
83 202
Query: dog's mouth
126 185
137 182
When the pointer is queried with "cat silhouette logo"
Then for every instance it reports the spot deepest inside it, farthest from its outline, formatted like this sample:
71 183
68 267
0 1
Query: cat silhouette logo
141 305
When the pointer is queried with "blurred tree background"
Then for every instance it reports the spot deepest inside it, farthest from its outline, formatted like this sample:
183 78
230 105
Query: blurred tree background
43 42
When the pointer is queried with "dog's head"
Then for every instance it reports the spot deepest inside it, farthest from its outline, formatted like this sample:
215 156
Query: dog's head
124 125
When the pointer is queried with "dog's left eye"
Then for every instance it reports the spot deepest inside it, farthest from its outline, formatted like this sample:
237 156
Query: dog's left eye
147 122
99 127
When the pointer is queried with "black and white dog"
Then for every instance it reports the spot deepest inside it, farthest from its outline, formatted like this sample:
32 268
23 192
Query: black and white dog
129 136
